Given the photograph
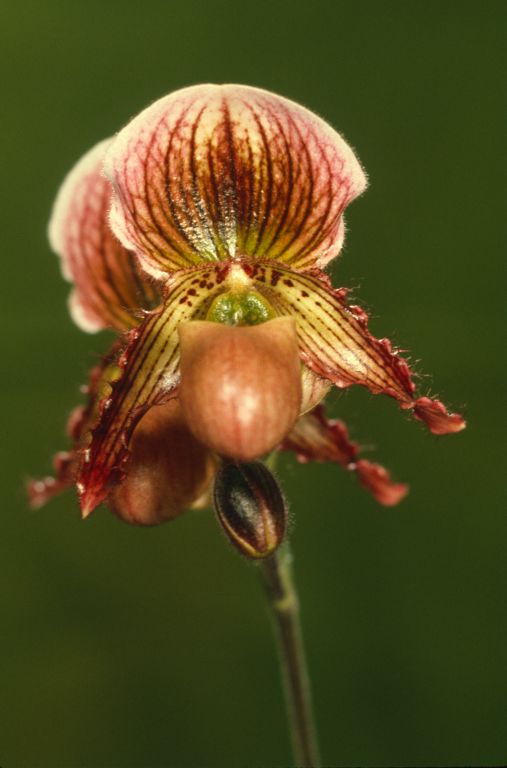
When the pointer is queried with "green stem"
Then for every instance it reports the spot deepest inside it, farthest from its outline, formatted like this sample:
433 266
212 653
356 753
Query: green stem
277 576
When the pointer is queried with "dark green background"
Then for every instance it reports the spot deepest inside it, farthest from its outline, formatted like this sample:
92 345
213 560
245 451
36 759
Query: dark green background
128 647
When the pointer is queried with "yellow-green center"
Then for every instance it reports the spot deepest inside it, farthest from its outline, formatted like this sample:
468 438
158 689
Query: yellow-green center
240 308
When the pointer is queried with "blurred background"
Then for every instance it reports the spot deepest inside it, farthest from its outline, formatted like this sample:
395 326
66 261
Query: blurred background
125 647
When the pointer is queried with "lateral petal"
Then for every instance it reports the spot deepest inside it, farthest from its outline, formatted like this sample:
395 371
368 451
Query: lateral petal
335 342
216 171
110 289
149 374
316 438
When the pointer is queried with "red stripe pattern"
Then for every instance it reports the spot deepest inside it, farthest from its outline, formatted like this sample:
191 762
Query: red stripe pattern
212 172
334 339
149 374
335 342
110 290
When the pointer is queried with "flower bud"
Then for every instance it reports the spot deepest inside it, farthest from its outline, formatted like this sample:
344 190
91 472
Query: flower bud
250 508
168 472
240 386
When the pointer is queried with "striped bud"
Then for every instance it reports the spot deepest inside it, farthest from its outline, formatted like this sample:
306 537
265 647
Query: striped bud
251 508
240 386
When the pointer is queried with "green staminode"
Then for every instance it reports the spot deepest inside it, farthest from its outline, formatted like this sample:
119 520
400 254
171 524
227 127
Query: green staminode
248 308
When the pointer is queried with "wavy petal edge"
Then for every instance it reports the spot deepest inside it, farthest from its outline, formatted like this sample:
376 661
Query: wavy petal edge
337 345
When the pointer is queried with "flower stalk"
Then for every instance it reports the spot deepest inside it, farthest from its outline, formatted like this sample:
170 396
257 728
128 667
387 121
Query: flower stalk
278 580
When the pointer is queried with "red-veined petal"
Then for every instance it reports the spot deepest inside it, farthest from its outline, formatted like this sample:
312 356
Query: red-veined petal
149 375
336 344
109 288
316 438
216 171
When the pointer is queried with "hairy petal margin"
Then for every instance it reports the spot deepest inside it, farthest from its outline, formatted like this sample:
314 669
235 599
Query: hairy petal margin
335 342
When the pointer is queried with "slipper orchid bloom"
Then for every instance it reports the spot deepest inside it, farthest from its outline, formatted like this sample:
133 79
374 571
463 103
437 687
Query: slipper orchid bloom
200 233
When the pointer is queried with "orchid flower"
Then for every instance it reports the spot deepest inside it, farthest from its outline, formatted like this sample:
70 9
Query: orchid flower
200 233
